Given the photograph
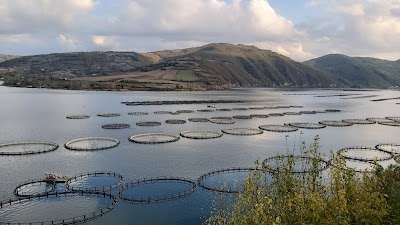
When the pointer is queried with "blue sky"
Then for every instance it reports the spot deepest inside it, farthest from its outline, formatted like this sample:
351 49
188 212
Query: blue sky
300 29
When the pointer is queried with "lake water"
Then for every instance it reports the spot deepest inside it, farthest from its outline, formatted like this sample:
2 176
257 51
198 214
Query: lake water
40 115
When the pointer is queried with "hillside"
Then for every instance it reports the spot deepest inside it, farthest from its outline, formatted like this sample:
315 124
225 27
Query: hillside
7 57
212 66
359 71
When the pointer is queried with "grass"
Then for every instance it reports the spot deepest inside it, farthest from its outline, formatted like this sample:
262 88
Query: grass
186 75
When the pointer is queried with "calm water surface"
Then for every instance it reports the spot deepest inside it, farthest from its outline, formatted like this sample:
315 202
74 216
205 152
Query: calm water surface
39 115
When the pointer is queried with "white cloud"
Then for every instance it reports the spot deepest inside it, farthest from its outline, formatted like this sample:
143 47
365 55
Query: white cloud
66 41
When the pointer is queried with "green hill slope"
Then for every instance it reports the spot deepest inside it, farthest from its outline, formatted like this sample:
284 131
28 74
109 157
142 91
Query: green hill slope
359 71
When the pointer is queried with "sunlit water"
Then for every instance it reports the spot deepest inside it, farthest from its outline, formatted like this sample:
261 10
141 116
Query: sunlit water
39 115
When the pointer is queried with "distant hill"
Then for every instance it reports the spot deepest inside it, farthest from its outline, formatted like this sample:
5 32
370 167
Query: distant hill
212 66
359 71
7 57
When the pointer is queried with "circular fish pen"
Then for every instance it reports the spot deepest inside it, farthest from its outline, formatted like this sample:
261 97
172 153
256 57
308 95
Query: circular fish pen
205 110
224 110
278 128
162 112
292 113
78 117
242 131
223 186
393 118
182 187
184 111
34 188
154 138
148 124
27 148
378 119
361 166
308 125
276 114
201 134
116 126
365 154
282 106
299 164
222 121
96 181
239 109
320 111
27 211
296 106
91 144
308 112
221 118
359 121
391 148
393 124
333 110
175 121
242 117
109 114
259 115
199 120
335 123
257 108
137 113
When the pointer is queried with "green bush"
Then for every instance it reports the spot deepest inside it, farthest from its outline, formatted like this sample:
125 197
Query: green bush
338 195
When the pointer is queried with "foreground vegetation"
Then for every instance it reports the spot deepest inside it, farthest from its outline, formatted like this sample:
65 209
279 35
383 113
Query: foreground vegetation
338 195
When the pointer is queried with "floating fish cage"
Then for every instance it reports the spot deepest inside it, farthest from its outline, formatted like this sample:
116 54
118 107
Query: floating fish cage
393 124
162 112
29 189
278 128
191 187
222 118
148 124
259 115
99 174
320 111
257 108
242 117
378 119
222 121
300 164
137 113
109 114
78 117
361 166
242 131
185 111
154 138
270 107
308 125
365 154
296 106
202 178
391 148
199 120
240 109
282 106
359 121
205 110
292 113
308 112
68 194
91 144
275 114
201 134
335 123
224 110
393 118
26 148
333 110
116 126
175 121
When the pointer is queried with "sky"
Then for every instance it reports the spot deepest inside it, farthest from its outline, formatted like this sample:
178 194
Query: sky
299 29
